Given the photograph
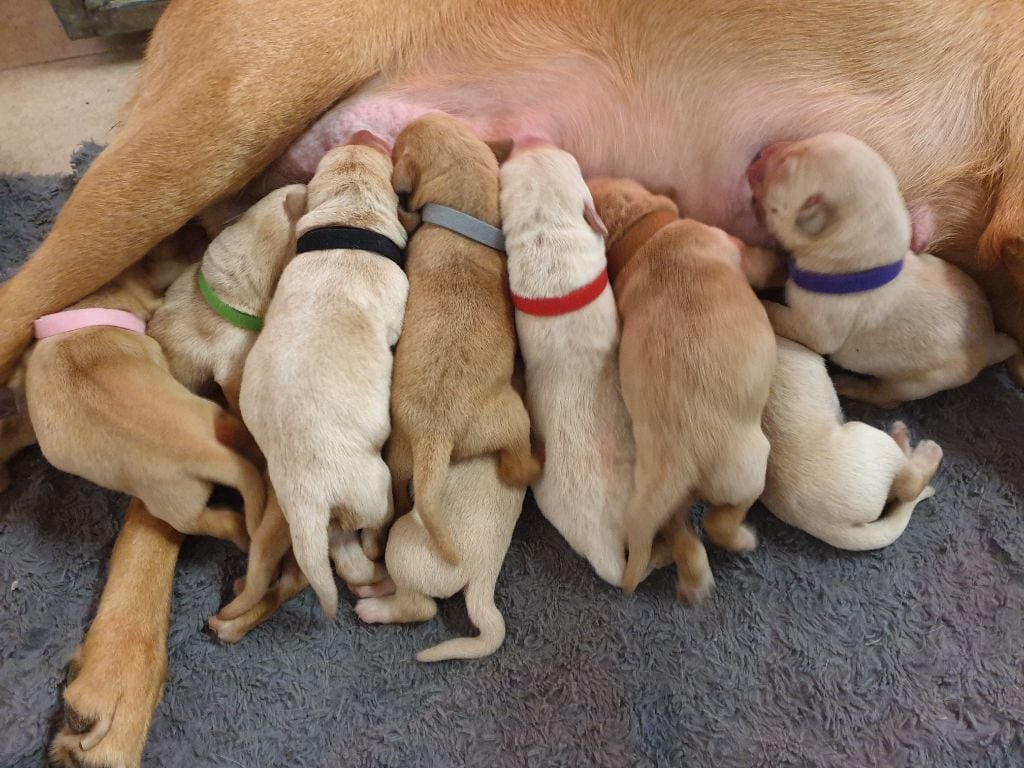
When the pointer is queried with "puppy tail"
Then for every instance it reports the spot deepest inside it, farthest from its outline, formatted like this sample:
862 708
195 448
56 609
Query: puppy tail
485 616
881 532
518 468
430 470
308 524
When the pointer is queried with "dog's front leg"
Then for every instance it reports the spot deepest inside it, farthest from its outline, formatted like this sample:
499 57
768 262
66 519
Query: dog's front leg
116 676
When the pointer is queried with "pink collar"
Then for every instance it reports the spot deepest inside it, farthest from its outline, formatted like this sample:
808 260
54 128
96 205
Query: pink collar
563 305
76 319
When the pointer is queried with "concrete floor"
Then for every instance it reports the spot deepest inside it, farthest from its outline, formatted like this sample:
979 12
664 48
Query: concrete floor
56 93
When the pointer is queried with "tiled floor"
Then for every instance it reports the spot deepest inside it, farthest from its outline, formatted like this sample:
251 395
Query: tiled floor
56 93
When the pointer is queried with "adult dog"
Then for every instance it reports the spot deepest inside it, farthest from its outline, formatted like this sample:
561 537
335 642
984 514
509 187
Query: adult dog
680 94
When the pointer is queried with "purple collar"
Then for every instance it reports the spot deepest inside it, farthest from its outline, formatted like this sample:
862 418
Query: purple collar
850 282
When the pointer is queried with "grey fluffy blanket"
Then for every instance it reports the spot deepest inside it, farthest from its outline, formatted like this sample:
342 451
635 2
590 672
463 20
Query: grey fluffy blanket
805 656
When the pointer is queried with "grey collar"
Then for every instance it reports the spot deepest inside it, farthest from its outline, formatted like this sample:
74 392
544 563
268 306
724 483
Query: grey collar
464 224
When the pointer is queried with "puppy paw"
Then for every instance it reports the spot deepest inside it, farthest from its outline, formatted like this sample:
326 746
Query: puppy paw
226 631
696 594
373 610
744 540
901 435
380 589
929 454
114 684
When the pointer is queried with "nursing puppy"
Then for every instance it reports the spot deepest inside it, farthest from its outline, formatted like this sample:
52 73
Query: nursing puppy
848 484
568 329
316 385
452 396
856 292
482 511
105 407
206 340
695 363
15 426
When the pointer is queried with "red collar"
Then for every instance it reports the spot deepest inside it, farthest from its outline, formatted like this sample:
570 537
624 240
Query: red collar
563 305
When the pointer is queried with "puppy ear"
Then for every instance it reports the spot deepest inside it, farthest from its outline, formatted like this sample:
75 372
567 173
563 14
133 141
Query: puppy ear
501 148
405 175
590 214
922 226
814 215
372 140
295 202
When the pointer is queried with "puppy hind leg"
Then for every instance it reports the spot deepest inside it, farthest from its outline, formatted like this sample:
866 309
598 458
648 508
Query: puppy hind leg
222 524
653 501
725 527
694 580
889 393
351 563
269 546
291 583
503 425
919 469
404 606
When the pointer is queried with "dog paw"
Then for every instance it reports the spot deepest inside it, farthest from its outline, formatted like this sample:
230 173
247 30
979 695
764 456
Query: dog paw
114 684
226 631
929 453
373 610
696 594
901 435
380 589
744 540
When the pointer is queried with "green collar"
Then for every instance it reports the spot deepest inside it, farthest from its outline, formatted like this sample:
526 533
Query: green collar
236 317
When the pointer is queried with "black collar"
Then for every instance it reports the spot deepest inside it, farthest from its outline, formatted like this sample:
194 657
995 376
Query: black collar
352 239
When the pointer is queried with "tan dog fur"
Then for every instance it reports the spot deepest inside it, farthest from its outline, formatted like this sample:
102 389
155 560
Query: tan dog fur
116 677
242 266
848 484
482 512
106 408
452 396
316 386
835 205
695 362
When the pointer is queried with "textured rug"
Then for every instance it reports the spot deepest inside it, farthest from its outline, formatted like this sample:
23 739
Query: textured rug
805 656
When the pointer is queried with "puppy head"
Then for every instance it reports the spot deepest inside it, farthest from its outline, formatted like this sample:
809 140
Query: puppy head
258 243
621 203
831 197
548 180
438 159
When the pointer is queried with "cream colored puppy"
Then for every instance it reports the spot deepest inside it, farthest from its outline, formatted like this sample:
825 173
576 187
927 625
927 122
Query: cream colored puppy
848 484
856 292
317 383
482 512
568 330
212 313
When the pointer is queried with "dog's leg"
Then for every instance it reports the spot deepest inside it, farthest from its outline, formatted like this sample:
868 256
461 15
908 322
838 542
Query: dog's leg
269 546
115 680
194 135
653 501
351 563
222 523
402 607
694 581
918 471
725 527
889 393
291 583
503 425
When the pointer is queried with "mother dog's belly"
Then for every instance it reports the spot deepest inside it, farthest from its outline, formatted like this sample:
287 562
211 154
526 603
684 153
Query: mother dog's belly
692 143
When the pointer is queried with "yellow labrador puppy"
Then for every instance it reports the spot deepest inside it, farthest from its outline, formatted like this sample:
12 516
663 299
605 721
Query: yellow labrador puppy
856 292
848 484
317 383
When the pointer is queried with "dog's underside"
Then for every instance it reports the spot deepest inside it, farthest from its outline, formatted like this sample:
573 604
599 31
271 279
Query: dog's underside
680 95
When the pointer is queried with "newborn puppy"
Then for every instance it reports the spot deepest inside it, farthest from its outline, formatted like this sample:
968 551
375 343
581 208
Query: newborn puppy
317 382
106 408
695 363
212 313
15 426
568 330
850 485
482 512
855 292
452 395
